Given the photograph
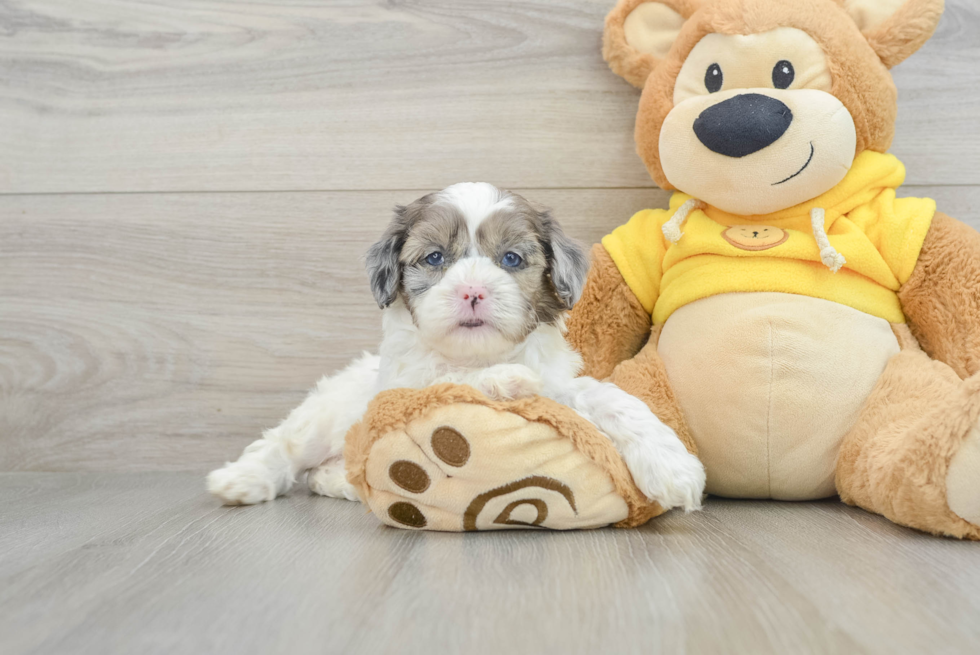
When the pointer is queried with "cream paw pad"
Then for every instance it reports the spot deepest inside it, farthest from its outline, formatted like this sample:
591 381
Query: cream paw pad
963 479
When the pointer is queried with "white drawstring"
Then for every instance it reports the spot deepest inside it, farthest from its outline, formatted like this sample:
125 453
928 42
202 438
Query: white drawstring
828 254
672 228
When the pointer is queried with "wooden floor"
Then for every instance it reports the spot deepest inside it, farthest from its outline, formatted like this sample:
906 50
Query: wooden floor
146 563
186 191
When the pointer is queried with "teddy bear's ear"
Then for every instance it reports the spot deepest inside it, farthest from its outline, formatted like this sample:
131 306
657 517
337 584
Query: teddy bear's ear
639 33
895 28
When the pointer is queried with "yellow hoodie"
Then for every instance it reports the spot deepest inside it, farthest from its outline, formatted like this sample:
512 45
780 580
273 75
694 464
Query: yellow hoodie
879 236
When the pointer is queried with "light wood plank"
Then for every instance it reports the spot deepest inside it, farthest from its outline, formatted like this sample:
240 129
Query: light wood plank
142 332
314 575
117 95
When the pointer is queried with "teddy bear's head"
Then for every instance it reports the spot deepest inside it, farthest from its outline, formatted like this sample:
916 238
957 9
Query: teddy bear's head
758 105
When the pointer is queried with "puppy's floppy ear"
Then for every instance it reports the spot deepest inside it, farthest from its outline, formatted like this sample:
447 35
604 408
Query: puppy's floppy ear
383 266
639 34
895 28
567 263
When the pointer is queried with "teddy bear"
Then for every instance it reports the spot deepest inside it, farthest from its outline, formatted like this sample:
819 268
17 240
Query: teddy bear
804 330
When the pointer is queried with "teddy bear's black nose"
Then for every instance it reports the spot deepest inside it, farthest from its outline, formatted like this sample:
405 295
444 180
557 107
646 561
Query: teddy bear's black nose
743 124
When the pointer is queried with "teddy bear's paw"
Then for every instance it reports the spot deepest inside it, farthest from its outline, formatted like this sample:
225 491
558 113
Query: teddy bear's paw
467 467
669 477
242 483
963 479
330 479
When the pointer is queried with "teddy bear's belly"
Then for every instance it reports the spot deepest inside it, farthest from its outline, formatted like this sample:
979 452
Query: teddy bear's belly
769 384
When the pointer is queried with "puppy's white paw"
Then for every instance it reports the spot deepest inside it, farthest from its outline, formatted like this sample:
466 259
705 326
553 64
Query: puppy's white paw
330 480
508 382
671 477
240 483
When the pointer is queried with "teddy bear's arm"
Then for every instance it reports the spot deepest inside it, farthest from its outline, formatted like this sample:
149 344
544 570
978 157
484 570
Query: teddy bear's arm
608 325
942 297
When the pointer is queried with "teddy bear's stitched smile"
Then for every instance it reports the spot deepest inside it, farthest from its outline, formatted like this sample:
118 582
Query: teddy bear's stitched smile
812 150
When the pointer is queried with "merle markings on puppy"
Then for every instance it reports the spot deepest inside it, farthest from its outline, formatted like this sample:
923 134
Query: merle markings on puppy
475 284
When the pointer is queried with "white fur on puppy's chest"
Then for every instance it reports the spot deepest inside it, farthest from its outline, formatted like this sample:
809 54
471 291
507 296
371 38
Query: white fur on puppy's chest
770 383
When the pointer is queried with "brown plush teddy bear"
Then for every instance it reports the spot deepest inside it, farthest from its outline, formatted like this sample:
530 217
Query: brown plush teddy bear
803 329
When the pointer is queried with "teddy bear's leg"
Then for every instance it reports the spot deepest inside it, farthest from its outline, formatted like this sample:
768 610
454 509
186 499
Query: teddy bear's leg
914 454
645 377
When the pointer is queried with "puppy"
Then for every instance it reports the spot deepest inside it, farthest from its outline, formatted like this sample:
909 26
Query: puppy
475 285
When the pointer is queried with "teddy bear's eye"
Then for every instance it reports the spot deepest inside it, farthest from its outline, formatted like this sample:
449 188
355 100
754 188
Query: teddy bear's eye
783 75
713 78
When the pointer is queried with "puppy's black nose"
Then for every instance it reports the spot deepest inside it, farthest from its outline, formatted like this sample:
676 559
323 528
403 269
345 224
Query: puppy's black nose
743 124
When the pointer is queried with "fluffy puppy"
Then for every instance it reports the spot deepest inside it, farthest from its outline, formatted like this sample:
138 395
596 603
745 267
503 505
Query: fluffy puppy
474 284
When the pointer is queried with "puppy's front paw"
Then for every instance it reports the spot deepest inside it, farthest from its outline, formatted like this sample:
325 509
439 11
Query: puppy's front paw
330 479
242 484
508 382
670 477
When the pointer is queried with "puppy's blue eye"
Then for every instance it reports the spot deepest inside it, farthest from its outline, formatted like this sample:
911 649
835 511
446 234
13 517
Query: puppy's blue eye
511 260
435 259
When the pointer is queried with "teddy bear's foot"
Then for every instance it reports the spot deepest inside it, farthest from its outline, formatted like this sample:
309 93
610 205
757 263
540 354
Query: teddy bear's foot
471 468
483 465
963 479
914 453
